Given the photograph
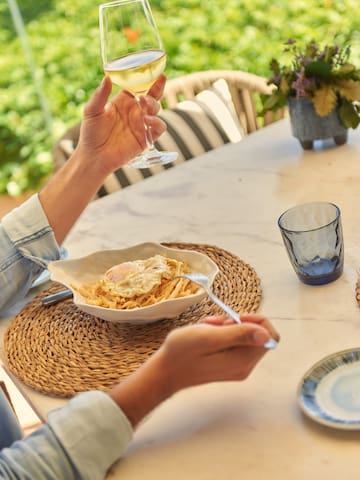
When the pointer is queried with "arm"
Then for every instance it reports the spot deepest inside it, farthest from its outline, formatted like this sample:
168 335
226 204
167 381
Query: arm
111 134
217 350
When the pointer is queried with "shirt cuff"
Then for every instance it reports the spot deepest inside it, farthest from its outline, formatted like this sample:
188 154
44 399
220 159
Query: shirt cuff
28 228
94 432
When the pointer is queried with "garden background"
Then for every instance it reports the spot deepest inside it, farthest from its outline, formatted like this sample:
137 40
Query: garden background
198 35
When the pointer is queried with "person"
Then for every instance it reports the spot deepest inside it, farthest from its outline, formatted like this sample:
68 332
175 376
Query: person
217 349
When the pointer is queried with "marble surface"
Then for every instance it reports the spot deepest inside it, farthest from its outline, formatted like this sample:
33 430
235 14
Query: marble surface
232 198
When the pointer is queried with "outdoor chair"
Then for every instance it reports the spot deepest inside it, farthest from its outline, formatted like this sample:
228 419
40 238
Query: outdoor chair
202 110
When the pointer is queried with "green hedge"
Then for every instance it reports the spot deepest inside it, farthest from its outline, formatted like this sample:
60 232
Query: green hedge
198 35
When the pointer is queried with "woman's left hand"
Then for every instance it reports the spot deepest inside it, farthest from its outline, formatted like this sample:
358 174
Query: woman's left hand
114 132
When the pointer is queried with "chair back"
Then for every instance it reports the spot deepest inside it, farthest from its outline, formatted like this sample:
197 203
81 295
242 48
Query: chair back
244 88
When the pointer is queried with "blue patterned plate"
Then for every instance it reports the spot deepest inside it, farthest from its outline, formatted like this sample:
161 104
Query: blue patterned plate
329 392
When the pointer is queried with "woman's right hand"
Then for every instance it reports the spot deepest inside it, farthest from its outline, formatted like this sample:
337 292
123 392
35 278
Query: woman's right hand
217 349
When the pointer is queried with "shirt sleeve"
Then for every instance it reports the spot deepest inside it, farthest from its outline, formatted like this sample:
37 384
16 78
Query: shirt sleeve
27 245
81 440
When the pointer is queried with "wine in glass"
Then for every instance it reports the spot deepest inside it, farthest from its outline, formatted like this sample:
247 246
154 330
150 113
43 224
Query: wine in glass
133 57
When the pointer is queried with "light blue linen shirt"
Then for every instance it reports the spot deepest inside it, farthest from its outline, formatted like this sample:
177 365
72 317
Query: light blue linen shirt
84 438
27 245
80 441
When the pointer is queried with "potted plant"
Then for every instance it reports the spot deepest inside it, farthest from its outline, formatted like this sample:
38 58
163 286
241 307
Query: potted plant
321 88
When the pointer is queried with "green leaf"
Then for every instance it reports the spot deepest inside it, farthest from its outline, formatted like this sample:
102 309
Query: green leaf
284 87
345 70
273 102
274 66
318 68
349 116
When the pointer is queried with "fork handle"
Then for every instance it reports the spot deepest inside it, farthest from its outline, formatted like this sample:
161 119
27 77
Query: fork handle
235 316
57 297
270 344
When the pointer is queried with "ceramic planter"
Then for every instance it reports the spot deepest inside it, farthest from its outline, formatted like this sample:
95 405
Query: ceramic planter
307 126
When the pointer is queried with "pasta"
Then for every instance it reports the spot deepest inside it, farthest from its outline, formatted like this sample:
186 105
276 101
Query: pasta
139 284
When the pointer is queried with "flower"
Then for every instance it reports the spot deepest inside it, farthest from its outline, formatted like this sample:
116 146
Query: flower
322 75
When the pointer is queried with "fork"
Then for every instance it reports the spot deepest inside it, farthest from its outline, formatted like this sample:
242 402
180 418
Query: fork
204 281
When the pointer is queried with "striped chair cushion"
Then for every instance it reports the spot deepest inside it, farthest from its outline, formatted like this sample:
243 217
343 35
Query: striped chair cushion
126 176
193 128
202 124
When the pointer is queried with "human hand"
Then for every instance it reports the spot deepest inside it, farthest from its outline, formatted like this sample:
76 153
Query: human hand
215 350
114 132
111 134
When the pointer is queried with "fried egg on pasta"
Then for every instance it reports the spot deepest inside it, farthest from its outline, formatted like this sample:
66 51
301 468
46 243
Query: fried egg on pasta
139 283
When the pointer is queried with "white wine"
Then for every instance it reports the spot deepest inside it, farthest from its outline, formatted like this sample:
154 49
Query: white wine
133 58
136 72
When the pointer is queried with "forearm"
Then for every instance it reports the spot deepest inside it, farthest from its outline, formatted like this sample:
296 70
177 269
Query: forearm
112 132
145 389
70 190
69 447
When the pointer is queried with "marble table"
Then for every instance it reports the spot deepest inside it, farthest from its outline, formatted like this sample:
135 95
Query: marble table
232 197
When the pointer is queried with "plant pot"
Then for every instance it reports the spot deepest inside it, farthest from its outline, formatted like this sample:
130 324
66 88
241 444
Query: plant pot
308 126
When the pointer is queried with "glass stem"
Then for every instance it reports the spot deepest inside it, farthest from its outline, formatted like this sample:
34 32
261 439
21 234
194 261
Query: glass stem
149 138
150 147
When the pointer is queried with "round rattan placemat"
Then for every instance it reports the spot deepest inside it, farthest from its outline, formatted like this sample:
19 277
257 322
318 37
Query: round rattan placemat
60 350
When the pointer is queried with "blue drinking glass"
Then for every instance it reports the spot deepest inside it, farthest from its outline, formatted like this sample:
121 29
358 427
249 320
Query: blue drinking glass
313 238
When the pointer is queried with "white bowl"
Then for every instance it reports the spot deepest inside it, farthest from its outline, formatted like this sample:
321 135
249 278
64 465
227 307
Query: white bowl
73 273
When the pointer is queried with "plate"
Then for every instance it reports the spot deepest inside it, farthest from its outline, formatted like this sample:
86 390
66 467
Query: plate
90 268
329 392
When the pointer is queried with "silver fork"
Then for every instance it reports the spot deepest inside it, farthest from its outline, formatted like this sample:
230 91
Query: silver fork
204 281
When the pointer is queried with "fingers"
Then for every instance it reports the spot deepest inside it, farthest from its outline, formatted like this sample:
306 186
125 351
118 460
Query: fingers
246 334
157 89
237 363
152 107
217 320
255 330
263 321
245 318
217 338
149 105
157 126
99 98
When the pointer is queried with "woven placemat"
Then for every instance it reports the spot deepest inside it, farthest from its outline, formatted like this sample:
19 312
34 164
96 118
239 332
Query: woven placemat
60 350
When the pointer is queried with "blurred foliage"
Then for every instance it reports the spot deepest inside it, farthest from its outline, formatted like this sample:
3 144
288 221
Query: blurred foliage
198 35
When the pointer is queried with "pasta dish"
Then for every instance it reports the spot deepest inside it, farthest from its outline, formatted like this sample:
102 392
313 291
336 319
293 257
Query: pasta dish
139 283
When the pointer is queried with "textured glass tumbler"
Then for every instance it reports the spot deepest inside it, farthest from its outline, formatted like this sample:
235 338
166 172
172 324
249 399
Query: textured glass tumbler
313 238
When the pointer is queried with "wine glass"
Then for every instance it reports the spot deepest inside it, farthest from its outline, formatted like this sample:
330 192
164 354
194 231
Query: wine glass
133 57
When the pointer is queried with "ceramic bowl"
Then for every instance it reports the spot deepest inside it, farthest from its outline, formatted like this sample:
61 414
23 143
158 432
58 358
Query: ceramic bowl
75 272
